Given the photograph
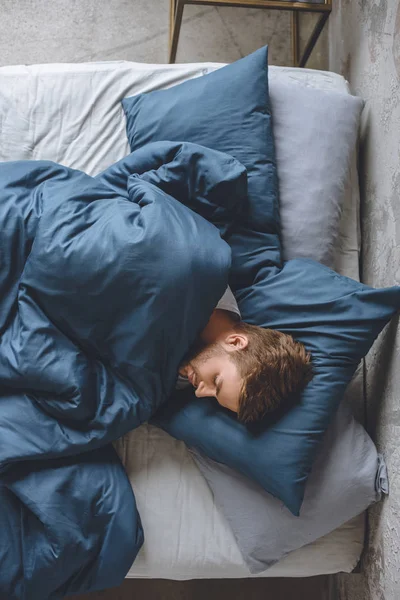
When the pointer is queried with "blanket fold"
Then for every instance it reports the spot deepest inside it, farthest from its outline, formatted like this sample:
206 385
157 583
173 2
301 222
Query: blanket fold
105 283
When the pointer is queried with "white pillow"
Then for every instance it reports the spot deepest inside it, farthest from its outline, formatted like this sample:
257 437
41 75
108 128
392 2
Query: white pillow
315 135
347 477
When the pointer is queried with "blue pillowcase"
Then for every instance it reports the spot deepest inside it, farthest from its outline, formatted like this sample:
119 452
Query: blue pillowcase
335 317
227 110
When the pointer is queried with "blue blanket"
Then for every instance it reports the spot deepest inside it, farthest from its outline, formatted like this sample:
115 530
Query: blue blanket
104 284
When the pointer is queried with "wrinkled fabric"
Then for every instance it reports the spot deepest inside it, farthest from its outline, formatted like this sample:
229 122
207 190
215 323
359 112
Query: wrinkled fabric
337 319
105 283
342 484
228 110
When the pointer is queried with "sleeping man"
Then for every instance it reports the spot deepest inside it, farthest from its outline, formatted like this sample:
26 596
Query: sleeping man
248 369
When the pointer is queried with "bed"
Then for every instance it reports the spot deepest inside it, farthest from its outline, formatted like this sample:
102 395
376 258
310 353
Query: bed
186 537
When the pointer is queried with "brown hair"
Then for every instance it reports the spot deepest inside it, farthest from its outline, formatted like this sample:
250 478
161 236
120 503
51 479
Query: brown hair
274 368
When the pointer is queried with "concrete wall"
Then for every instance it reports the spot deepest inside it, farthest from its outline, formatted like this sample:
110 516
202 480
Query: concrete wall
365 48
45 31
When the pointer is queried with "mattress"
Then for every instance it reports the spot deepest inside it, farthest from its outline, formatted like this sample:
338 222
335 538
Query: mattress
71 114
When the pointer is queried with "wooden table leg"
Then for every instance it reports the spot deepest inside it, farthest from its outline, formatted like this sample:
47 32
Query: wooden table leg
176 11
171 21
295 38
313 38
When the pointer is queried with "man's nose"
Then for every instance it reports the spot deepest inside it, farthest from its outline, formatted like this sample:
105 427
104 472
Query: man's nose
203 391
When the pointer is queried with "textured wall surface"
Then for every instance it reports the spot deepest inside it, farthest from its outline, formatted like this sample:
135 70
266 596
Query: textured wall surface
365 48
46 31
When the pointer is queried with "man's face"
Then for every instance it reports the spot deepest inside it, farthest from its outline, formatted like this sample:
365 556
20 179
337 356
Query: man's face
212 373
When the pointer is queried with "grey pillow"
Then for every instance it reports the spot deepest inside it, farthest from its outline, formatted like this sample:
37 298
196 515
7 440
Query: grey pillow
315 135
347 477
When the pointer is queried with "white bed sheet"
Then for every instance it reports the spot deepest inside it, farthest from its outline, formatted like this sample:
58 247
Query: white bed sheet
71 114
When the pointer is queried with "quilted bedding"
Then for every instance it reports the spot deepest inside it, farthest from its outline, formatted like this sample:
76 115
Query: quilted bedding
98 305
39 121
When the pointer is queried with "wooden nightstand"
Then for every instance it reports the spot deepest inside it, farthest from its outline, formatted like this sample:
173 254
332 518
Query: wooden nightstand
322 8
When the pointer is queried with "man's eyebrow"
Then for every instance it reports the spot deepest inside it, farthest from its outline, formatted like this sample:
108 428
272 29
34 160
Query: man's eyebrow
219 386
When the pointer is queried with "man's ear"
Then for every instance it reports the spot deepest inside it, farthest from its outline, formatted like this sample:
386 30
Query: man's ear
235 341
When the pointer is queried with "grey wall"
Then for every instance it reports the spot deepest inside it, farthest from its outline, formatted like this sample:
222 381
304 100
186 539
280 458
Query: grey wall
43 31
365 48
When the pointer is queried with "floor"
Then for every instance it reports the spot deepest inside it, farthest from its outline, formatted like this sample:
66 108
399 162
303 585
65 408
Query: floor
364 45
138 30
313 588
365 48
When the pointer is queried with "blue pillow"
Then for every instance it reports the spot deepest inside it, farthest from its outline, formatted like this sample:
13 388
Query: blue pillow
337 319
227 110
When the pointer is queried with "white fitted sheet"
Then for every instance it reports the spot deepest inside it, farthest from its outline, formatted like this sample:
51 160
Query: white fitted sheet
71 114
